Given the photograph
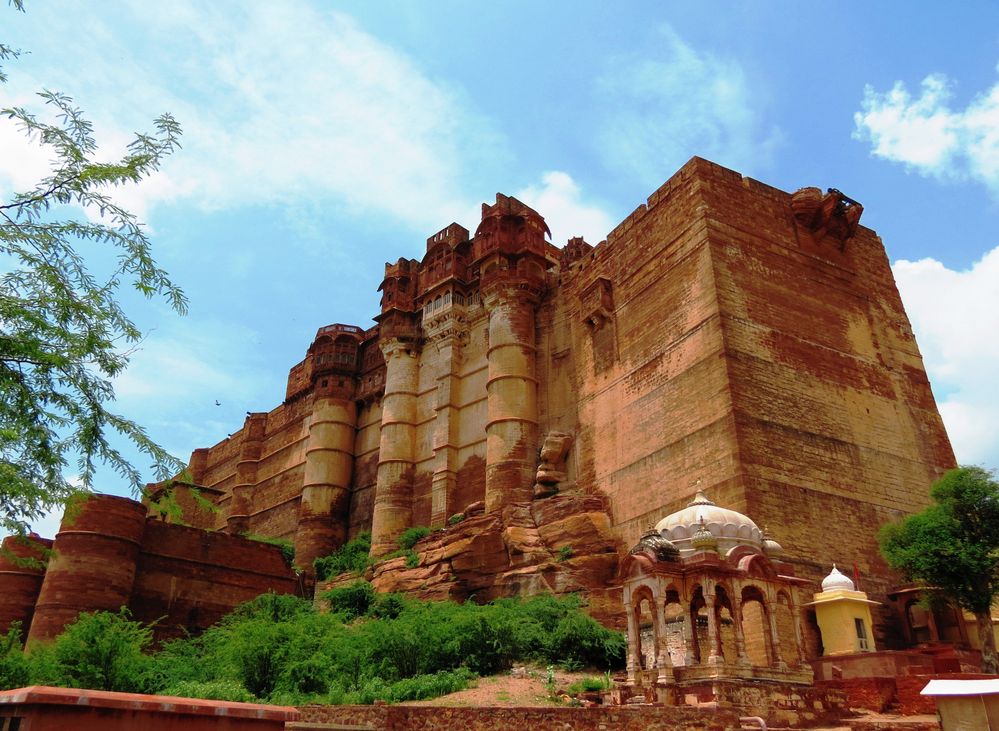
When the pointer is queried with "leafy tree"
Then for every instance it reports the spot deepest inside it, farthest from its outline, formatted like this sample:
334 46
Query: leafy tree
953 548
63 332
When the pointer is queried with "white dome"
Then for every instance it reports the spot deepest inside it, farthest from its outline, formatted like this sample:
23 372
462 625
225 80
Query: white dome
731 528
836 580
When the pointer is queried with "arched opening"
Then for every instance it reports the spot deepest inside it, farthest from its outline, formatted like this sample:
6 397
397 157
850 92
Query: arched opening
812 637
756 627
647 635
786 636
699 648
726 625
674 616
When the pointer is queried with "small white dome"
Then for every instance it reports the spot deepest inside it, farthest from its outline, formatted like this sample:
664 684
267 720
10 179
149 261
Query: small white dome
729 527
836 580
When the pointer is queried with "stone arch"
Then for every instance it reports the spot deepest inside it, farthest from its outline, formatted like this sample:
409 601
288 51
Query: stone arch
725 622
787 637
643 606
756 626
674 620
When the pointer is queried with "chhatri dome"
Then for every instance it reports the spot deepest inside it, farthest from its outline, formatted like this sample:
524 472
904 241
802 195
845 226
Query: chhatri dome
837 580
729 528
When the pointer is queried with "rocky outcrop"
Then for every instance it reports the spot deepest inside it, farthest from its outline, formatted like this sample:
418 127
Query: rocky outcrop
561 545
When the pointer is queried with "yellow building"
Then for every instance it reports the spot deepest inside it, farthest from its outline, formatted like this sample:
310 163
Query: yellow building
844 616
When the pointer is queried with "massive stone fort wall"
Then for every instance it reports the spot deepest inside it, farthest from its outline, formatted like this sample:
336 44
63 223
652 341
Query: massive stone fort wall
726 335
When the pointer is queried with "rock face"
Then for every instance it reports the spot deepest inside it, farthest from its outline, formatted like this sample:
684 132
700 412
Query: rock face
563 545
727 336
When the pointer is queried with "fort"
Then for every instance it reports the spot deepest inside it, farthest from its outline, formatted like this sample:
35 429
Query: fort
546 406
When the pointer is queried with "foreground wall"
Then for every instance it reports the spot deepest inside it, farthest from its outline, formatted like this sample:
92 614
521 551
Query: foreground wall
40 708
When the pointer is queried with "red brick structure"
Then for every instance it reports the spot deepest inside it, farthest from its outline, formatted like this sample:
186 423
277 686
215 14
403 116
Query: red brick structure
40 708
727 336
108 554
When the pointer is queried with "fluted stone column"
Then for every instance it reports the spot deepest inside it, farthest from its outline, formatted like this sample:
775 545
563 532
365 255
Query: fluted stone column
777 660
634 646
713 640
393 509
512 388
740 637
663 660
241 505
329 462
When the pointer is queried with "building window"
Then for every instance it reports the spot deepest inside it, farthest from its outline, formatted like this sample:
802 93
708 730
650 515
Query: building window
861 633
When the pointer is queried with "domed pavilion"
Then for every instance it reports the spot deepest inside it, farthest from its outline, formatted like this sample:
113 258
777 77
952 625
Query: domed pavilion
708 598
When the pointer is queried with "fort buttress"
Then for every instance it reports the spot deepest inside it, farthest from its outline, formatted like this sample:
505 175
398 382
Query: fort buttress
727 337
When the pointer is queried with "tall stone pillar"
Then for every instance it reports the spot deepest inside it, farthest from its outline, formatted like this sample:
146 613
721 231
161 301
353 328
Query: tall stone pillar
714 640
445 475
512 390
241 505
393 509
634 645
329 461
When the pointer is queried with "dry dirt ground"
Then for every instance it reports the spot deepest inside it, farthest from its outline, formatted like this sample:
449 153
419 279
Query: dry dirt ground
530 690
506 690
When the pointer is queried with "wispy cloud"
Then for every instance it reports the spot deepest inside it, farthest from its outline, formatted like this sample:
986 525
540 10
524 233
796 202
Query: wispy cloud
559 199
299 104
664 105
929 136
955 315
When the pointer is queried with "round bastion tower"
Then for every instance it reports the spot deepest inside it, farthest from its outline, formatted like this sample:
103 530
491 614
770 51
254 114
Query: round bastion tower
93 563
510 252
329 453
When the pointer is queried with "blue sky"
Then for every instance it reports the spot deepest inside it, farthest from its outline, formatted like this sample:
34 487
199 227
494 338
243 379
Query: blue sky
323 139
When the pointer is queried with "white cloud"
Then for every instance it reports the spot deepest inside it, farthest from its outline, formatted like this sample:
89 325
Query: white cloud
929 136
955 315
663 107
279 104
558 199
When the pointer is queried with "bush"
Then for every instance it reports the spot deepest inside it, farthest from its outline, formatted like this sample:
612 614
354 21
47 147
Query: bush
14 672
103 651
421 687
212 690
564 553
351 601
352 556
590 685
410 536
456 518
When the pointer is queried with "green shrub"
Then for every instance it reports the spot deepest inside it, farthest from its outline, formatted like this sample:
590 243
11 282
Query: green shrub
103 651
352 556
14 671
212 690
412 559
456 518
564 553
590 685
410 536
421 687
387 606
351 601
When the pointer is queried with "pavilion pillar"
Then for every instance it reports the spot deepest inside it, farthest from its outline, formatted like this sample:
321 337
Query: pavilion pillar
663 661
740 637
634 645
713 640
774 637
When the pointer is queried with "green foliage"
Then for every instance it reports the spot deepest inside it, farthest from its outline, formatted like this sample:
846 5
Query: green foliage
564 553
213 690
279 649
64 336
410 536
352 556
456 518
412 559
590 684
102 651
351 601
14 671
286 546
954 544
952 547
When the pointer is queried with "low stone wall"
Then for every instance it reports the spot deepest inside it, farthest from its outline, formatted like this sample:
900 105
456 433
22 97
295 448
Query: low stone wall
898 694
40 708
437 718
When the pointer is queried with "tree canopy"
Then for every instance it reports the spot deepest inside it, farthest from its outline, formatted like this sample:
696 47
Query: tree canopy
953 547
63 332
